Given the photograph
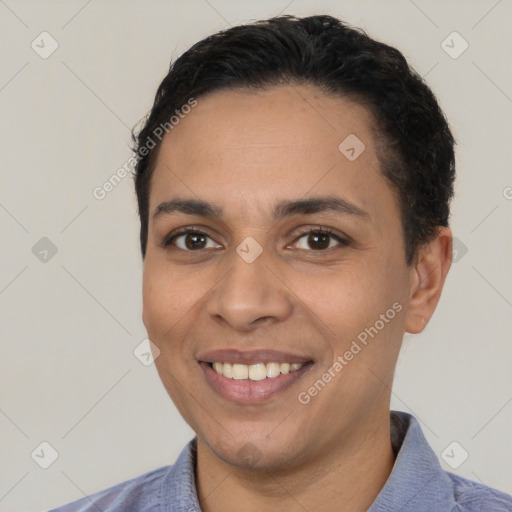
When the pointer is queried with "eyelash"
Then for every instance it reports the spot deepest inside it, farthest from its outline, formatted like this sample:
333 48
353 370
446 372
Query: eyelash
343 242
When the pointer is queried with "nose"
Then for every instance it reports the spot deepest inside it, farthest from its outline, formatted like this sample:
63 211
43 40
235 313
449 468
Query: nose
249 295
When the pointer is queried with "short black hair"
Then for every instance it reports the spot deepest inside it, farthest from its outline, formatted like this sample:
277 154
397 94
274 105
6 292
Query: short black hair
414 143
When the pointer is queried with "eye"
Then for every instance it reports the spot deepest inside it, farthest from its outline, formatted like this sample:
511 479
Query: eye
194 240
190 240
320 239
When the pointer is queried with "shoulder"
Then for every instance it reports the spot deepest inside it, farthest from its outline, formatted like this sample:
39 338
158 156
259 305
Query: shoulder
418 482
173 485
471 496
138 494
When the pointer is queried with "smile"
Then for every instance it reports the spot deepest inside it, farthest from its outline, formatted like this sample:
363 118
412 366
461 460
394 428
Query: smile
255 372
252 383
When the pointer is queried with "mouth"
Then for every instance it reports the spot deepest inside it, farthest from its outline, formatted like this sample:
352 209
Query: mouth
252 377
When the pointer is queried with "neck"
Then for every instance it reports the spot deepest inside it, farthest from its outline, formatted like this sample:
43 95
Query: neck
345 478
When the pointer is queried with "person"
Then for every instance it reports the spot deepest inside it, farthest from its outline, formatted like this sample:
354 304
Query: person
294 179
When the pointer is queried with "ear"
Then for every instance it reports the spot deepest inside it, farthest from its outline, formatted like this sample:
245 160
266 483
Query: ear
428 275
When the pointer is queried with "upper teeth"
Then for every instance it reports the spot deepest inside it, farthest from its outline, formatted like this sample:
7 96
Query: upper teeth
258 371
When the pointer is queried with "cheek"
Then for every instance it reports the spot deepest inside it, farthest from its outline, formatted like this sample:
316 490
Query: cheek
166 300
344 298
357 303
173 299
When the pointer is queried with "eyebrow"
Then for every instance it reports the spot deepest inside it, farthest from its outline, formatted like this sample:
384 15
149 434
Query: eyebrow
282 210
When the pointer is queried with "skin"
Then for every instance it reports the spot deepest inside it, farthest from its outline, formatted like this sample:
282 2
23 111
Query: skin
245 151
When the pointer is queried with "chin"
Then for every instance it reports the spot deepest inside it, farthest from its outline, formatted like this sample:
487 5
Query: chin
256 451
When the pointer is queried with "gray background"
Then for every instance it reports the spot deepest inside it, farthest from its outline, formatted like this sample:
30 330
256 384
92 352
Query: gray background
70 323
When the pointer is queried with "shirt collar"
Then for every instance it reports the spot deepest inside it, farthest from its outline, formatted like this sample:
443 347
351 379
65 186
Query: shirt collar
417 480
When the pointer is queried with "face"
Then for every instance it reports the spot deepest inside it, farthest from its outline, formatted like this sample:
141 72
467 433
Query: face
296 258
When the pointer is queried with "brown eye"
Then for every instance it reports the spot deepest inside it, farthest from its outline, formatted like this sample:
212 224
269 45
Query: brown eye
320 240
190 240
195 241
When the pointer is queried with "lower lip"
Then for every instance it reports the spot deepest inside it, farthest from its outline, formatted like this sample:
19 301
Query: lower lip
251 391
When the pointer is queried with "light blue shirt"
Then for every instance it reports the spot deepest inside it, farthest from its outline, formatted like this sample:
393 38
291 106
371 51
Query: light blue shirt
417 483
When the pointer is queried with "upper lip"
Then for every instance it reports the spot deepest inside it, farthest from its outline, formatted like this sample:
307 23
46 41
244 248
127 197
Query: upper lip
251 357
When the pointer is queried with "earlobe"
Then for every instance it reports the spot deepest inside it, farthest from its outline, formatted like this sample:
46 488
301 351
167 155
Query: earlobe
427 280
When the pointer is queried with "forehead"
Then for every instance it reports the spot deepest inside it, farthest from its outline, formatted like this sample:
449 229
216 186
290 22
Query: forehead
247 146
269 121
